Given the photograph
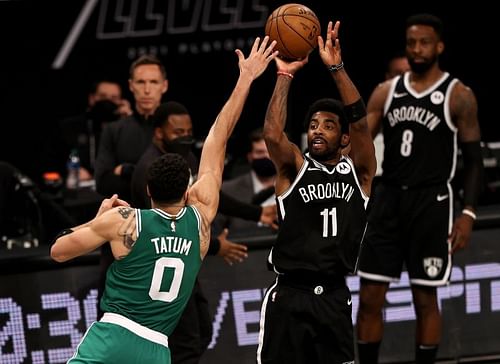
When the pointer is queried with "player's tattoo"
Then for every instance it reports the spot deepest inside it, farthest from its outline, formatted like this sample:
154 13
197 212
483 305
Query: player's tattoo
126 229
128 241
125 211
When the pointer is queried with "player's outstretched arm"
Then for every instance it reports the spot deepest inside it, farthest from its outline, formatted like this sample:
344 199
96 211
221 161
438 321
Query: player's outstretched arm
362 149
205 192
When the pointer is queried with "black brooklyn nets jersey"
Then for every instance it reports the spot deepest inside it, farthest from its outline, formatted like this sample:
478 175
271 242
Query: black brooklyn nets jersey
419 135
322 220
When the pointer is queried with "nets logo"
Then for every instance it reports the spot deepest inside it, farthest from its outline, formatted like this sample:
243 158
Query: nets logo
433 266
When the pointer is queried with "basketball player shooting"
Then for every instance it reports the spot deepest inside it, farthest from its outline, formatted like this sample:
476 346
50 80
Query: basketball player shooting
322 197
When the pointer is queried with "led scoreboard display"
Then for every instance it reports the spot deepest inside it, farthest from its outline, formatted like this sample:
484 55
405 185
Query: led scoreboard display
44 315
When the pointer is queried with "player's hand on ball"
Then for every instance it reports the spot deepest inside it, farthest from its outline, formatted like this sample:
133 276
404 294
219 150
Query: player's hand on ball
291 67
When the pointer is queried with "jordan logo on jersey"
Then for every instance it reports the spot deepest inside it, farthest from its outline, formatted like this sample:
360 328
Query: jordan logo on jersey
433 266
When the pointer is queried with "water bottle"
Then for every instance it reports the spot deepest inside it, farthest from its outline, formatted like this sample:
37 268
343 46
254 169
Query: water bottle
73 165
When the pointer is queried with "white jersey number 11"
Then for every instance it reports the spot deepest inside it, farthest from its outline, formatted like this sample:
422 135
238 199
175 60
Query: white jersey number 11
329 218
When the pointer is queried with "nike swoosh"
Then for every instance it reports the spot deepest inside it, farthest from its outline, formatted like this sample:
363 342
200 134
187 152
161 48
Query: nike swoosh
441 197
349 301
398 95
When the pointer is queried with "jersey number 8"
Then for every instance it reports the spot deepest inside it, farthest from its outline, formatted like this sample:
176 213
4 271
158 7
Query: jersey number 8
407 139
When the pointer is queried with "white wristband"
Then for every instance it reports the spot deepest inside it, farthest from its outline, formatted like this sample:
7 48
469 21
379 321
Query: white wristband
469 213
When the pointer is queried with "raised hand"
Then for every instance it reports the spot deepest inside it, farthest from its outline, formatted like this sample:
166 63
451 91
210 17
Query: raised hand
329 51
258 59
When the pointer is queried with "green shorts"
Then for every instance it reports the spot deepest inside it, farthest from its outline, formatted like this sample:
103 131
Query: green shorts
110 343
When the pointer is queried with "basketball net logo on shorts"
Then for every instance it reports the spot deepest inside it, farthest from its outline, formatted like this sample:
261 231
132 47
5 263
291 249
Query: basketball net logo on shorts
433 266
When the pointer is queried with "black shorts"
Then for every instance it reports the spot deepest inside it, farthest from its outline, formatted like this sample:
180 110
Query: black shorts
306 322
409 226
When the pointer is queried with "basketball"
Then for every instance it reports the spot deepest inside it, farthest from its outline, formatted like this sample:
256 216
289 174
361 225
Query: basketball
295 28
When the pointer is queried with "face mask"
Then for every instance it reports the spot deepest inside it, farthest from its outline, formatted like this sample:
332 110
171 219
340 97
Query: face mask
181 145
103 111
263 167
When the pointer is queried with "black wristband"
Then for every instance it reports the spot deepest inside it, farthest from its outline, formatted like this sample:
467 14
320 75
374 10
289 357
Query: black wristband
336 67
355 111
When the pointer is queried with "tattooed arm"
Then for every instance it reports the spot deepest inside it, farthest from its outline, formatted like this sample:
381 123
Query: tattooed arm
114 222
127 233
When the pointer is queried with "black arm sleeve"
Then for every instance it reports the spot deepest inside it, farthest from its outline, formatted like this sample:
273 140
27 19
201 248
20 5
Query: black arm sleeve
231 206
473 172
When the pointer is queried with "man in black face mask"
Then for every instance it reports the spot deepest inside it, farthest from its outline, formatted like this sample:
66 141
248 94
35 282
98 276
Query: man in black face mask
173 133
255 186
83 131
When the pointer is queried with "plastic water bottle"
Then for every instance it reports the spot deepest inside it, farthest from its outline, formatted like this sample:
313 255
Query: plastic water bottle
73 165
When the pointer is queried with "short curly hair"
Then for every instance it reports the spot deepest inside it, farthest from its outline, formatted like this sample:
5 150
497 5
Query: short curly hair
426 19
328 105
160 117
168 178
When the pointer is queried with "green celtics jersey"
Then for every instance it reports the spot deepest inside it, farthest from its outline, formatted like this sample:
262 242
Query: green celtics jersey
153 283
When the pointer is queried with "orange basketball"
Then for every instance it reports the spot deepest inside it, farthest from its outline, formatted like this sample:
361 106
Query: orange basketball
295 27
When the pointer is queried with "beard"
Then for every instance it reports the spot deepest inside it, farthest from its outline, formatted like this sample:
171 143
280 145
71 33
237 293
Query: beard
323 157
329 153
326 155
422 67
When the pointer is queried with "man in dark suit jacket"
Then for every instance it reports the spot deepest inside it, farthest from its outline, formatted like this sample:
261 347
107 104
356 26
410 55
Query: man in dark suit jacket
255 186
